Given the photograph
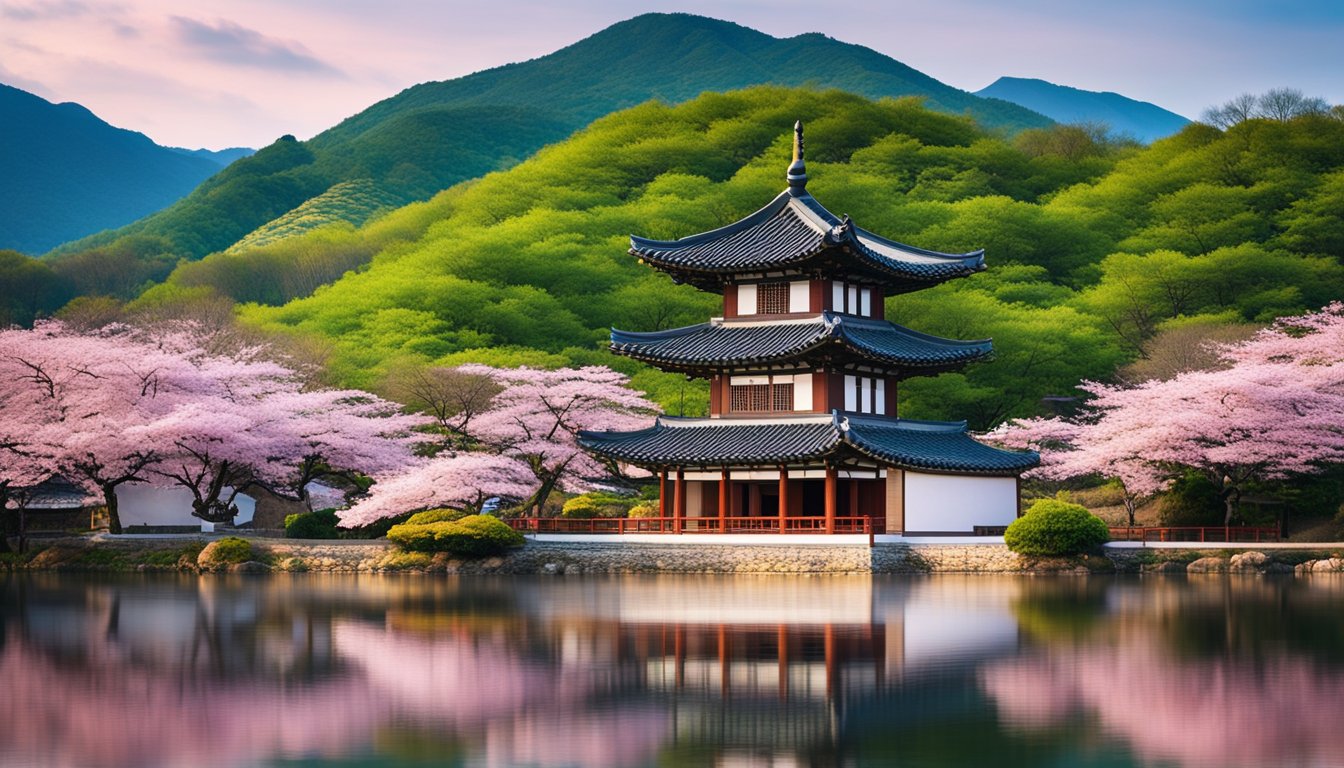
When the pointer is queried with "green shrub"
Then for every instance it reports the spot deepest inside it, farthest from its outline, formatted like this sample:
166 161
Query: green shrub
435 516
231 550
597 504
473 536
320 524
644 510
1053 527
1192 500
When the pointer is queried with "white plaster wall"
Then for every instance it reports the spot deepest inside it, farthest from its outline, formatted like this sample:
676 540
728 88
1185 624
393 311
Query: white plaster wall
147 505
958 503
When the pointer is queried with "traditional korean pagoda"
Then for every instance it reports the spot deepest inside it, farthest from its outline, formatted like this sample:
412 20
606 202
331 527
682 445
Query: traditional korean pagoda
804 433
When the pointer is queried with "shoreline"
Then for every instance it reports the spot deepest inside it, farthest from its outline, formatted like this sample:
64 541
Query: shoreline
193 554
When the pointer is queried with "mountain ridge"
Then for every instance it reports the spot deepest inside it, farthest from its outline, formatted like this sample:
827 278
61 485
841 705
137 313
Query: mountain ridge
1142 120
69 173
433 135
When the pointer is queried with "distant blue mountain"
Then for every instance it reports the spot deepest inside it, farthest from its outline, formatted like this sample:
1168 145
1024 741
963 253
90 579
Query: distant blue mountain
64 173
1125 116
220 157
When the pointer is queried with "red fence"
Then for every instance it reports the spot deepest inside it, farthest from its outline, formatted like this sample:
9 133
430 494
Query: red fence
688 525
1195 533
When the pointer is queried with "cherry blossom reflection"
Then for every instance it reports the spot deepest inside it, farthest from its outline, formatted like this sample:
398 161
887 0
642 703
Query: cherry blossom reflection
1192 712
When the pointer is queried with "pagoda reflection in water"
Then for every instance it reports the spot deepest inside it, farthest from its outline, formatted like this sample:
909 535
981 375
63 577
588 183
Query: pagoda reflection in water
635 671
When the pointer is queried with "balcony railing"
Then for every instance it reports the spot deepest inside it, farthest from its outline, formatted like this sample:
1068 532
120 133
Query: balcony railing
689 525
1206 533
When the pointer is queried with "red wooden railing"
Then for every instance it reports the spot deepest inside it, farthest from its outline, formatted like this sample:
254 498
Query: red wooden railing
1195 533
688 525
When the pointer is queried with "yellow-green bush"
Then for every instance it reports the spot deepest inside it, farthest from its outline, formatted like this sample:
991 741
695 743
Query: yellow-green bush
586 506
443 515
473 536
643 510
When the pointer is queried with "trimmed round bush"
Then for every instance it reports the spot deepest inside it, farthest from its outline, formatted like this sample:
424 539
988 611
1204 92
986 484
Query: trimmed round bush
230 550
472 536
1053 527
444 515
586 506
319 524
643 510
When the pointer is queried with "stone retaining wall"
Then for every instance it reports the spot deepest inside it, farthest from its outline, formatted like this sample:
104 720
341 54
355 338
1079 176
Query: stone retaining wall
554 558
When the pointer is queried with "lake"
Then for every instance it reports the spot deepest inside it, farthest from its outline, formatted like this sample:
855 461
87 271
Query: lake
671 671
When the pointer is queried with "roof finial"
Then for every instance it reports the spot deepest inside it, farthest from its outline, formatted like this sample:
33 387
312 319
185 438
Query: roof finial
797 175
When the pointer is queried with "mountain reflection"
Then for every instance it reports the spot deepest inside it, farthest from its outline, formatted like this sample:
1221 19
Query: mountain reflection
669 671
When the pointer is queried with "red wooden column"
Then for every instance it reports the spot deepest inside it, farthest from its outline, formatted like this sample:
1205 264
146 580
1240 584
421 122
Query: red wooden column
662 499
831 478
828 649
783 640
725 485
783 499
679 501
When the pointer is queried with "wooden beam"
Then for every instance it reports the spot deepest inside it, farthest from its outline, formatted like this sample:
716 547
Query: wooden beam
831 474
783 498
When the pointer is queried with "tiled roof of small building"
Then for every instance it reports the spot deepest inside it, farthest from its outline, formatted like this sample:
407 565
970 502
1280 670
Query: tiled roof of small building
902 443
794 232
841 338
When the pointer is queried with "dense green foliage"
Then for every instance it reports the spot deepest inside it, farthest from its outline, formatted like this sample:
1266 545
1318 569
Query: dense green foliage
1052 527
593 504
29 289
318 524
68 174
436 134
1094 248
472 536
349 202
529 266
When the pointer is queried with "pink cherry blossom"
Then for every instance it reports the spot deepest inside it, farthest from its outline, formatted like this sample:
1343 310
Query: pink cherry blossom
462 480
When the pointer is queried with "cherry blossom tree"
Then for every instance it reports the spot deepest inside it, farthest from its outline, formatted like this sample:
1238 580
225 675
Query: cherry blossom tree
1275 410
121 405
78 396
1068 450
341 434
462 480
536 417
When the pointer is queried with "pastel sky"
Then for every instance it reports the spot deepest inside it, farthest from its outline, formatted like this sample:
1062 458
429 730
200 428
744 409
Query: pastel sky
243 72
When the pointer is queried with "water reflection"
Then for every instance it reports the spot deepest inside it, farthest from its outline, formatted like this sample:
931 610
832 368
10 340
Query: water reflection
670 671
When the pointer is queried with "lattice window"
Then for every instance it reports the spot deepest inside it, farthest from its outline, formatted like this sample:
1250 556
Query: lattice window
782 396
772 298
751 397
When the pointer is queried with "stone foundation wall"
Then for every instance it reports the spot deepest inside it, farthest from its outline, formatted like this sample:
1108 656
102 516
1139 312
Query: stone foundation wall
594 558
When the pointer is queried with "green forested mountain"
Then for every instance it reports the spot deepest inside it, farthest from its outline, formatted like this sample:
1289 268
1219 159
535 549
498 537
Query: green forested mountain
1121 114
64 173
1092 248
436 134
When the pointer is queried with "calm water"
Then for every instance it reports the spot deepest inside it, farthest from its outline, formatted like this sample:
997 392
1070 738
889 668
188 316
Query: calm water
671 671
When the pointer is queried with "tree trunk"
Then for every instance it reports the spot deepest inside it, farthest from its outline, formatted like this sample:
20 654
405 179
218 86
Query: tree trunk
538 500
113 514
1129 509
1231 495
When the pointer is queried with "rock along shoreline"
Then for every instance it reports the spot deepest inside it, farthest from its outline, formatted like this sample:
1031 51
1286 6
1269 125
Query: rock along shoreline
197 555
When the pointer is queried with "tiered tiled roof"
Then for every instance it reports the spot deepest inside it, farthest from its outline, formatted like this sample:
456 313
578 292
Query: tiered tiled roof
829 337
795 233
902 443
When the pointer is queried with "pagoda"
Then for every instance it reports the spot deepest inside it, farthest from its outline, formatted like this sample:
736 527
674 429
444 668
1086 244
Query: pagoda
804 433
